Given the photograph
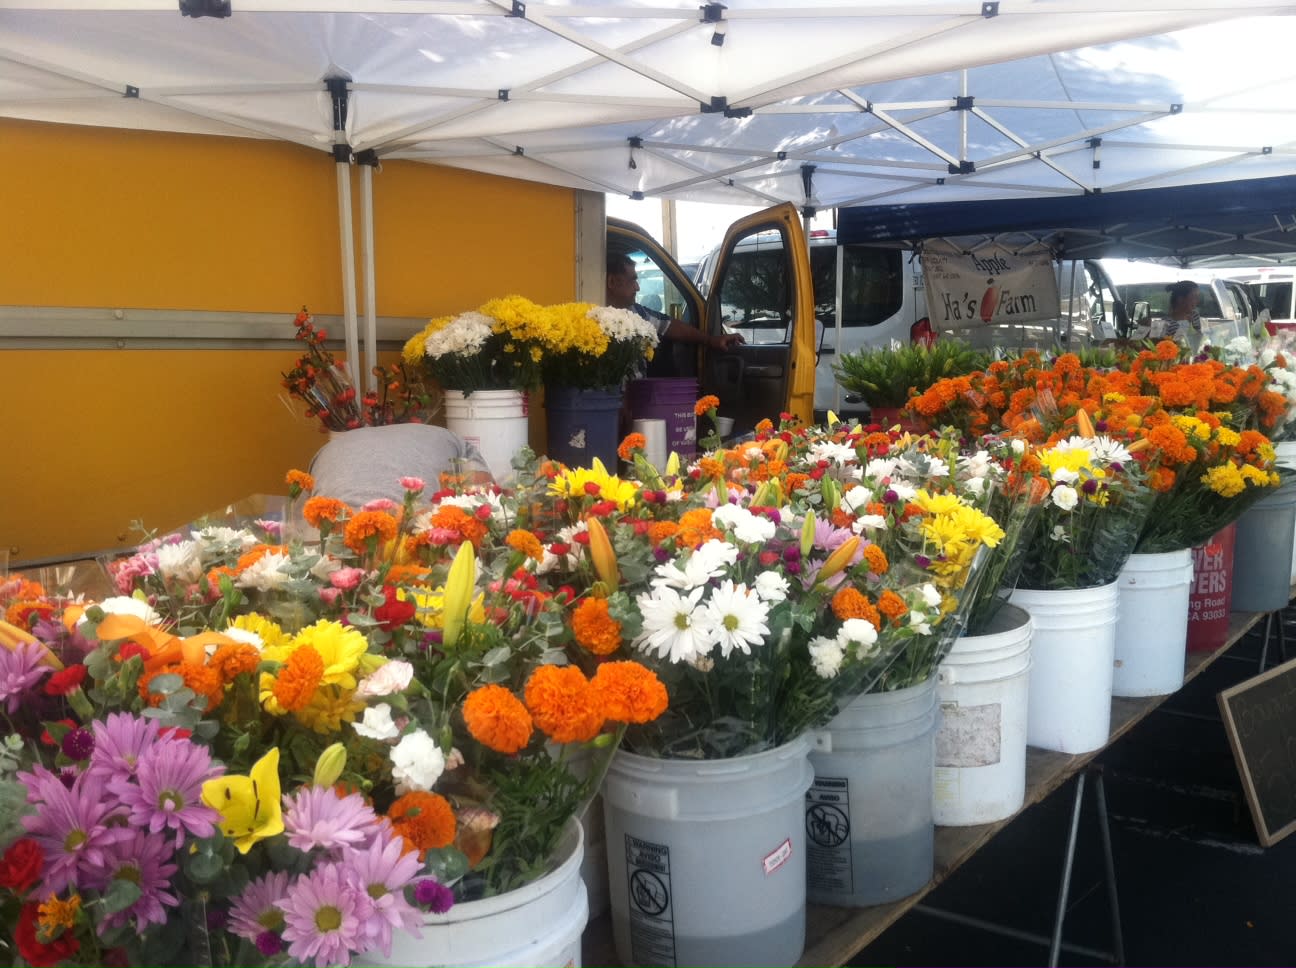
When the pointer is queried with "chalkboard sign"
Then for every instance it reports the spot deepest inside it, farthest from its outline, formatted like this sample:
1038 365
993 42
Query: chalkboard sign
1260 719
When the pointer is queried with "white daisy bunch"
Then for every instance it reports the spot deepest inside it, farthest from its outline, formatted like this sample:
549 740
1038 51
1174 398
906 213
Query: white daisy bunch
1278 359
465 335
623 325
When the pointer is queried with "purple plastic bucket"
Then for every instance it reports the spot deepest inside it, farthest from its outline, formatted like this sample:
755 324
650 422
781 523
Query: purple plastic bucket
671 399
583 424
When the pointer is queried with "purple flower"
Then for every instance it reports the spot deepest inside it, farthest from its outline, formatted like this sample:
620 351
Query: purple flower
325 917
119 741
269 943
256 910
791 554
318 817
148 863
169 792
434 896
384 871
78 744
889 496
74 825
830 538
661 555
20 669
1090 486
922 561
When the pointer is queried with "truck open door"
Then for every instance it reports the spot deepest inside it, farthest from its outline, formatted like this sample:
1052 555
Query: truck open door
768 300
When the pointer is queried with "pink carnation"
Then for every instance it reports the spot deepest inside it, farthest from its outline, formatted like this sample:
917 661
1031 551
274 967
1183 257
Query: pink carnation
347 578
381 504
415 484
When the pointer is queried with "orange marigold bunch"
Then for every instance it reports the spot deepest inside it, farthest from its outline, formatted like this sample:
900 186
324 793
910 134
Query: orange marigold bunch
232 661
365 526
695 528
705 404
877 560
524 542
425 820
320 509
497 719
564 704
204 681
630 692
298 679
850 602
660 531
595 630
630 444
892 606
453 518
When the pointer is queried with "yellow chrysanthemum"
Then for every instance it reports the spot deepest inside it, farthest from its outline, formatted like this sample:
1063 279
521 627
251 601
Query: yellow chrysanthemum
339 646
329 708
609 487
937 503
1076 460
1227 438
431 604
270 632
1225 480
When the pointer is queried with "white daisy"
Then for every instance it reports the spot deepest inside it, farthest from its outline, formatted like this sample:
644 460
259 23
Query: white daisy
180 562
674 626
267 574
245 637
707 562
880 468
1065 497
125 605
868 522
738 616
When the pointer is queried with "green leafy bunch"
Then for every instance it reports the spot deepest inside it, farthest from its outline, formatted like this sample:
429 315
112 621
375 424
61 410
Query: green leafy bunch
888 376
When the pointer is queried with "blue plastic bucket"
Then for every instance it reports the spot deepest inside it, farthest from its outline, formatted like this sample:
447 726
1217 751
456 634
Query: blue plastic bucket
583 424
671 399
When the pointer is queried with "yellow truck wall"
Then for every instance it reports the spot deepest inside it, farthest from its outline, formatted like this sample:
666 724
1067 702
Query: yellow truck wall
98 438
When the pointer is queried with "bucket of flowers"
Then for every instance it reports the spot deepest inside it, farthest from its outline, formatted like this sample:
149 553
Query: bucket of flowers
194 777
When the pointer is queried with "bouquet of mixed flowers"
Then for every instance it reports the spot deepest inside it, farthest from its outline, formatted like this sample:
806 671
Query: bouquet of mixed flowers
592 347
772 582
237 784
320 382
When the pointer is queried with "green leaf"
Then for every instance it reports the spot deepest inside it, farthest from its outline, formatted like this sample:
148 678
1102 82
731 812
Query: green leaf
203 868
496 656
166 684
120 895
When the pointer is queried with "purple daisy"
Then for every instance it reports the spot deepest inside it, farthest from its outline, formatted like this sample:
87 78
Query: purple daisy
325 917
256 910
119 741
20 669
383 871
169 792
317 817
73 825
146 861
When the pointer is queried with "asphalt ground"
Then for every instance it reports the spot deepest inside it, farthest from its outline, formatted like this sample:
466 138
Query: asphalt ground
1194 885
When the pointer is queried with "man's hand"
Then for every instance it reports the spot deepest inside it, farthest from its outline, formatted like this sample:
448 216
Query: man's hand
724 341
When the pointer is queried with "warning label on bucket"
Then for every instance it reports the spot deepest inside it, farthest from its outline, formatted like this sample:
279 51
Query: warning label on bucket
828 849
652 922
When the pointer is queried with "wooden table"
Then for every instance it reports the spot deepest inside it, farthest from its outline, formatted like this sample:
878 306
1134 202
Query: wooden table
836 934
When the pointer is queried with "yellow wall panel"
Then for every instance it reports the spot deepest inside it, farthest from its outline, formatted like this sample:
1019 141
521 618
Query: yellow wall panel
108 219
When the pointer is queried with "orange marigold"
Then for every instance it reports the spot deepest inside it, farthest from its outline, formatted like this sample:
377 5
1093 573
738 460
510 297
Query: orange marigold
764 425
365 525
1161 479
231 661
709 402
850 602
203 680
564 704
298 679
524 542
696 528
425 820
319 509
300 479
594 628
457 519
877 560
257 552
892 606
795 481
660 531
630 692
497 719
20 612
630 444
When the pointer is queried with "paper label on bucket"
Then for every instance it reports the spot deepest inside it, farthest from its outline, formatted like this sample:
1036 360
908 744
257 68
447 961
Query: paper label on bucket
652 919
969 735
828 828
777 857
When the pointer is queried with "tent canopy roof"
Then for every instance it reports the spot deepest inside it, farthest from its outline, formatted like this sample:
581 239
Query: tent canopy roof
1189 225
828 103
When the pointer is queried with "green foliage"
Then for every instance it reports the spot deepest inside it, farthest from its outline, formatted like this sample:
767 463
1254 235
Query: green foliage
884 376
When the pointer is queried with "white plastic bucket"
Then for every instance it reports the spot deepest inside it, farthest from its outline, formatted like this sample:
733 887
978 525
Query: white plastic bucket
1152 624
983 687
870 836
706 858
1285 456
1072 652
540 923
493 421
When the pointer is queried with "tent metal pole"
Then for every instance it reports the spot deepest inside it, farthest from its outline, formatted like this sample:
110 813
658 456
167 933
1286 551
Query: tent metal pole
367 166
337 88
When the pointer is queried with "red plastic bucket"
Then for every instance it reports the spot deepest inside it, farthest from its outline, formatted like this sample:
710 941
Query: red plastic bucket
1212 592
671 399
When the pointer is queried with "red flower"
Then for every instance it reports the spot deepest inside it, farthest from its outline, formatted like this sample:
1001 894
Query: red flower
48 739
65 681
21 865
33 951
129 650
393 613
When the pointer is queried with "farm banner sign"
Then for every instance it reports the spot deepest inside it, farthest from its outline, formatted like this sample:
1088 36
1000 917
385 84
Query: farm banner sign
990 286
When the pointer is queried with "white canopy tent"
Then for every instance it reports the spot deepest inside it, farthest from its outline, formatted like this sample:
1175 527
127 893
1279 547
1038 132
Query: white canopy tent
827 103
